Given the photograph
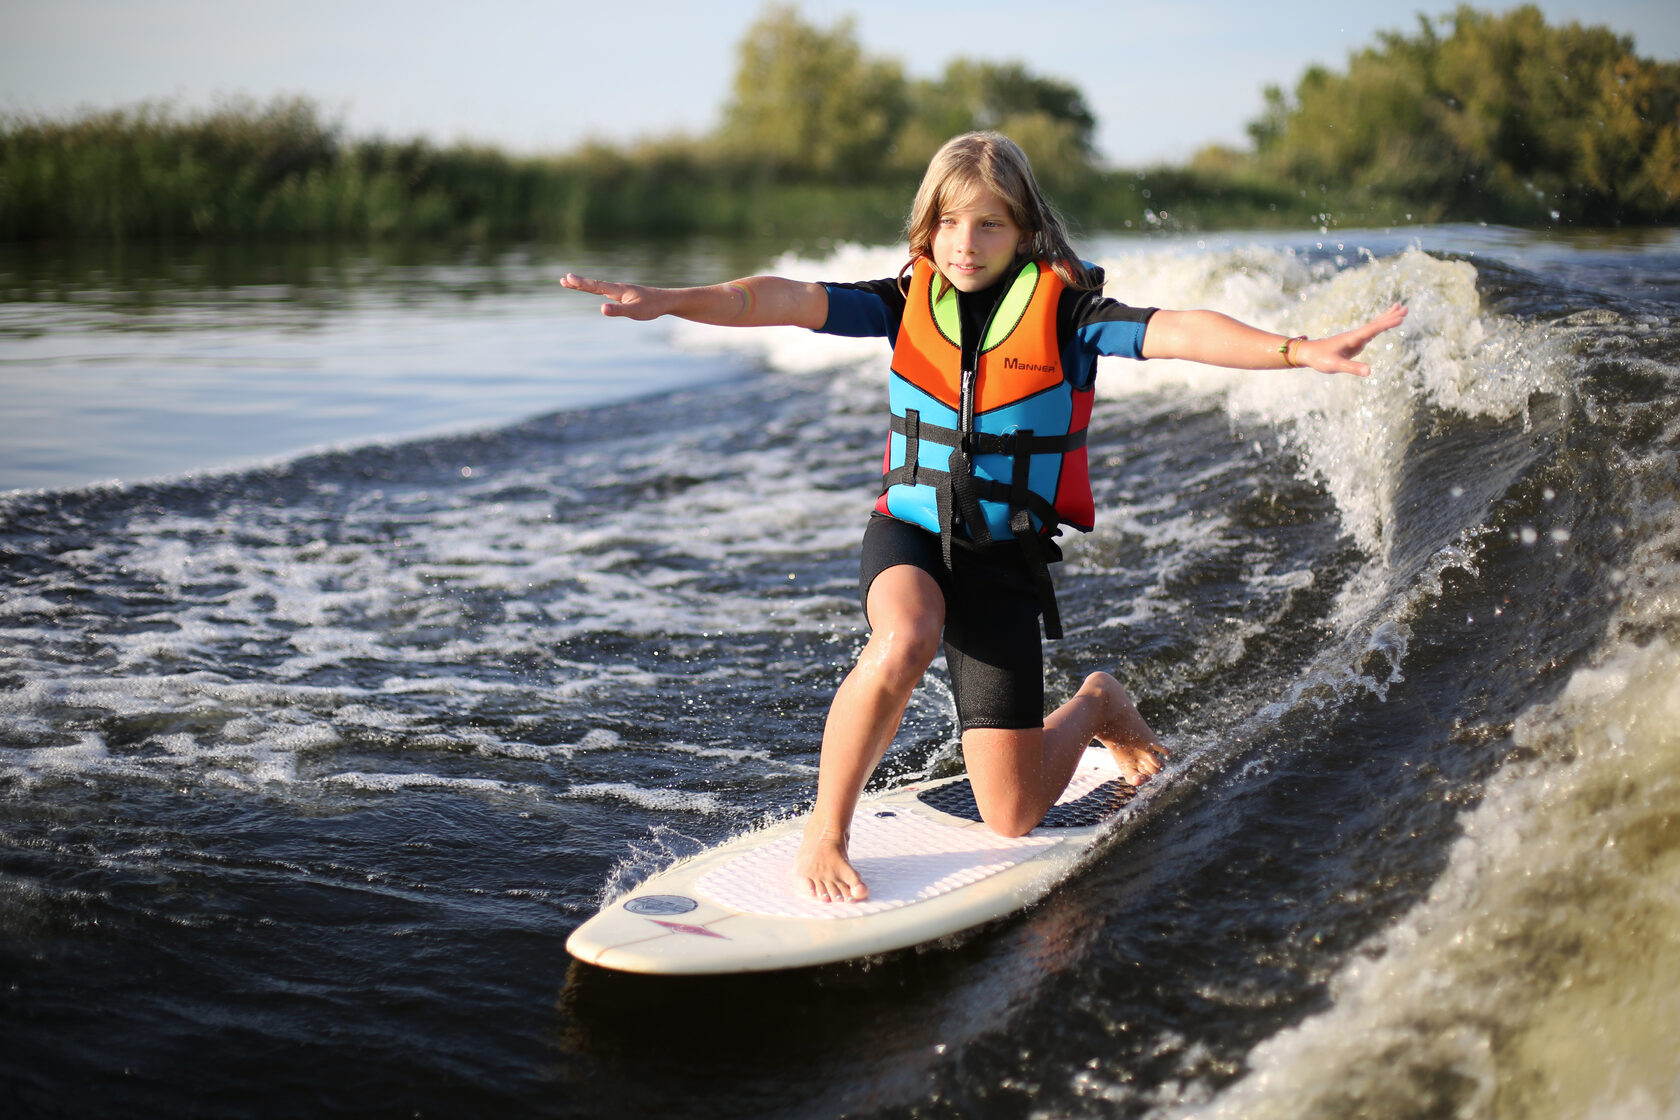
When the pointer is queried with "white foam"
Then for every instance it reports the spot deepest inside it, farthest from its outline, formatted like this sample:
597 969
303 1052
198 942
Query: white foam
765 759
240 583
391 783
794 349
661 800
32 605
87 755
662 847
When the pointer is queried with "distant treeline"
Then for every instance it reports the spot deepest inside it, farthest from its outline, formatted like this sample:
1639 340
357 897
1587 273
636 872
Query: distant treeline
1503 118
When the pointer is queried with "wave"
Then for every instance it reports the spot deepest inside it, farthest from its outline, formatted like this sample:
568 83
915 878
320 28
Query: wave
1531 980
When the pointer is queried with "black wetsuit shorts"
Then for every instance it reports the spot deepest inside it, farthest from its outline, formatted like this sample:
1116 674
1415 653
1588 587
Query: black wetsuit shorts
992 607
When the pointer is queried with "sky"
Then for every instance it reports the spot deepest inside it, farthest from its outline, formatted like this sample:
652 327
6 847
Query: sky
1164 79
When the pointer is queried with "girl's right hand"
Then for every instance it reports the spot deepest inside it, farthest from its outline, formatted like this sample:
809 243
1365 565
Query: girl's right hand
626 301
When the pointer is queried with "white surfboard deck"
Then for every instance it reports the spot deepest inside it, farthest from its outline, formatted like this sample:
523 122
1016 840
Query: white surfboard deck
933 869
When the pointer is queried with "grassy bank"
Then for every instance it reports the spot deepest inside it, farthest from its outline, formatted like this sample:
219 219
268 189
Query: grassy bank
283 172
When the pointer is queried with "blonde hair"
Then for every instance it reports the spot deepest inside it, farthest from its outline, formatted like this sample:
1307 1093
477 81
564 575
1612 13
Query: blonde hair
989 161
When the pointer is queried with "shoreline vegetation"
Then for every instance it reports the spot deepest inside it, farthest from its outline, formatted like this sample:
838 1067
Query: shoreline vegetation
1498 118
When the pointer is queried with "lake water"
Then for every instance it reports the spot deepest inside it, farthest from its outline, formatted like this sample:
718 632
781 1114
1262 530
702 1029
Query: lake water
366 621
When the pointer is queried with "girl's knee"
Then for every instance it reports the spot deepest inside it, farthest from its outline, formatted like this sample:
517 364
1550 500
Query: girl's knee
1014 819
1107 689
1100 681
898 655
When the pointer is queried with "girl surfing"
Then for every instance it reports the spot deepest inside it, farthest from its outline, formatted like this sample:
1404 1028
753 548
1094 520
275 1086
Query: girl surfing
996 326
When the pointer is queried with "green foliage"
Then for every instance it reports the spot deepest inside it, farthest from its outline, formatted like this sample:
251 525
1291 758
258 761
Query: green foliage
245 170
107 172
809 103
1505 117
1047 117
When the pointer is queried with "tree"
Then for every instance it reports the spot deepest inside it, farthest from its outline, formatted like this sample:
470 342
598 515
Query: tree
1504 117
809 103
1049 118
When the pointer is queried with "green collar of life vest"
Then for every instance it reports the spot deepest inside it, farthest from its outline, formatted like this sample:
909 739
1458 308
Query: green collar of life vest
1005 318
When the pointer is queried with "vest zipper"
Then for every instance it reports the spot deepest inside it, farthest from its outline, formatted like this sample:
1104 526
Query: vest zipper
968 387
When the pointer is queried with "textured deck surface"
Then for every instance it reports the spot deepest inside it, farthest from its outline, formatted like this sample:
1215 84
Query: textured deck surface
907 857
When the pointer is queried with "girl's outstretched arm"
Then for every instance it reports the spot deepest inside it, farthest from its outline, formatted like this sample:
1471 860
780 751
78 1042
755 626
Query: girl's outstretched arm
1219 340
756 301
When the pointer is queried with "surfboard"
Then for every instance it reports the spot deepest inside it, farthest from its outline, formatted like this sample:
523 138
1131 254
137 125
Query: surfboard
933 869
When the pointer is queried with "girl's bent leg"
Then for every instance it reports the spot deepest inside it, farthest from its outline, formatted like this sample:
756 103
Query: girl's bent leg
907 614
1018 775
1103 711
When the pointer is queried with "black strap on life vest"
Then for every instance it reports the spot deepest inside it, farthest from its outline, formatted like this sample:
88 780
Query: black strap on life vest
958 491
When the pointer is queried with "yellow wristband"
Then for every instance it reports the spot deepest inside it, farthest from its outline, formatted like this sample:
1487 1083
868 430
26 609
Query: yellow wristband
1284 350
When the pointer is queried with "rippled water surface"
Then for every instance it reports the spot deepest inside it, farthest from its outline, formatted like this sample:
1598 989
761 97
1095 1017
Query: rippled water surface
435 609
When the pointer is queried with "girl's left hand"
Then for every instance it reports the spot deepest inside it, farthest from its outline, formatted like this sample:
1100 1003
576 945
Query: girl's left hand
1335 353
626 301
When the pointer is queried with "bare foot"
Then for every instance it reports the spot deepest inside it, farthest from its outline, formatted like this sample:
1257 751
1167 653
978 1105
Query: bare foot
1123 731
822 870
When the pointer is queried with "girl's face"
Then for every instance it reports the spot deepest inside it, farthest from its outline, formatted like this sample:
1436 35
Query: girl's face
976 241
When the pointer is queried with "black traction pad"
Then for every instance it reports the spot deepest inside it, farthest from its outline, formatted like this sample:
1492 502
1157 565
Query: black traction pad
957 799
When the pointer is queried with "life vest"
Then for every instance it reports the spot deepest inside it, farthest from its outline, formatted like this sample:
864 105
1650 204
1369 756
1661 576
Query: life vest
1002 445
